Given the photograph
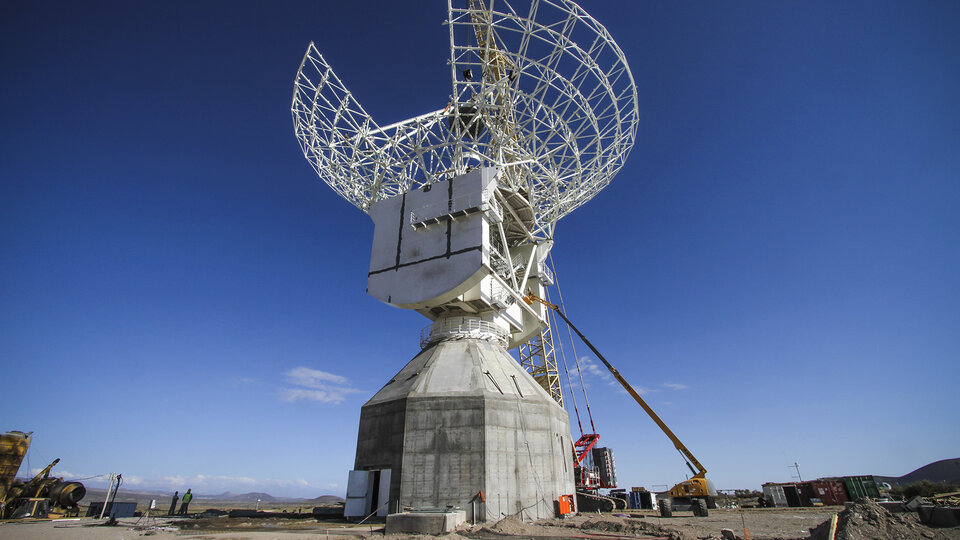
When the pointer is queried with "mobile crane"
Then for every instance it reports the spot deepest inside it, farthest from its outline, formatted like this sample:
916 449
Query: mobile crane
697 493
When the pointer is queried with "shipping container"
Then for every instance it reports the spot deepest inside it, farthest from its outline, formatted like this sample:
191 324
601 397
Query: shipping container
808 497
773 493
792 495
861 487
640 498
830 492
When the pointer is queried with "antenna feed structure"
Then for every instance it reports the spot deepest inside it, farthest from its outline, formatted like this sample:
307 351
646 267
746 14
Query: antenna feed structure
543 113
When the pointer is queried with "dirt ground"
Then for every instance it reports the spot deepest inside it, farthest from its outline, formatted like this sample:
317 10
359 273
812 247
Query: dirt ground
866 521
761 524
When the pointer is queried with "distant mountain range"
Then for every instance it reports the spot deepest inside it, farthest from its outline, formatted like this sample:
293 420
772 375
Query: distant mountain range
327 500
253 496
943 471
144 496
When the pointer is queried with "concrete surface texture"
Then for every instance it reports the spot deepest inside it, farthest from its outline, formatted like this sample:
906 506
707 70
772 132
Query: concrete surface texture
435 523
463 418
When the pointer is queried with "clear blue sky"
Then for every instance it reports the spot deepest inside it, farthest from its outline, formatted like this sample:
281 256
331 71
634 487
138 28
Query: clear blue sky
777 264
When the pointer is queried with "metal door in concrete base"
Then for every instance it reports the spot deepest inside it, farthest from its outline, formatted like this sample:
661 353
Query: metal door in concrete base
382 477
367 492
359 494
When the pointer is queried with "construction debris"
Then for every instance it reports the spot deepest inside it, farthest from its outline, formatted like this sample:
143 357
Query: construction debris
560 528
511 526
628 526
867 520
946 499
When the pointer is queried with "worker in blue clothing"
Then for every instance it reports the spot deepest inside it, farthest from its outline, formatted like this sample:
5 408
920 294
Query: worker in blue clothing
173 503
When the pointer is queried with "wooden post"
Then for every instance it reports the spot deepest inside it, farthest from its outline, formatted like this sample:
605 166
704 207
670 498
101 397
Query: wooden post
833 527
109 489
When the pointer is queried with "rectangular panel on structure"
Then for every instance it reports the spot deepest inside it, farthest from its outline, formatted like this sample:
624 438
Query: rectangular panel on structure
432 244
359 494
383 493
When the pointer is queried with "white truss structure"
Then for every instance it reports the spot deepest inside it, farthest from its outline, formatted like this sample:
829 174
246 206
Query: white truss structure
539 89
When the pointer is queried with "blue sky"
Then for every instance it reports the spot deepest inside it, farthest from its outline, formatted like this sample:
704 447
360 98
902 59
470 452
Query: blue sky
182 299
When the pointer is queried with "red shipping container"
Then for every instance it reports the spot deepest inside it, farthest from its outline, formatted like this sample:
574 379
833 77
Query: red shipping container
830 492
807 492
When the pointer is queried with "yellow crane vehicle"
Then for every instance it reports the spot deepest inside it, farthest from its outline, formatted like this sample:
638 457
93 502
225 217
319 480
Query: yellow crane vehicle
697 493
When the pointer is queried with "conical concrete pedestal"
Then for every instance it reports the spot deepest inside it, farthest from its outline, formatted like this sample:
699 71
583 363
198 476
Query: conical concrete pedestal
463 418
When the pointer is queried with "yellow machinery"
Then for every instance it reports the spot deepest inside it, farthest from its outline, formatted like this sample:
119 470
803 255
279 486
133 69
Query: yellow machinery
13 446
696 493
39 497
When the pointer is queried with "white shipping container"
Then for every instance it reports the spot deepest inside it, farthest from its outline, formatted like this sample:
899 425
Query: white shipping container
773 493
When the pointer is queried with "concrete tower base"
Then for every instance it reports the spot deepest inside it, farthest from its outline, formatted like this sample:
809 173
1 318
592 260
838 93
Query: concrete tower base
463 418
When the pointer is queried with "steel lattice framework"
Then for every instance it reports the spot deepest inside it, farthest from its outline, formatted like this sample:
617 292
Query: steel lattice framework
539 358
539 90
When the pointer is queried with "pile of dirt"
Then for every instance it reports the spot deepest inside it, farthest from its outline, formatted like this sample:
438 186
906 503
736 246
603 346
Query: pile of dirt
867 520
511 526
406 536
614 524
208 524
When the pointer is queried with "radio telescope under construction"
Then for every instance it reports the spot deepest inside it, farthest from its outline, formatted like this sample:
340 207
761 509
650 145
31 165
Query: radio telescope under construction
542 114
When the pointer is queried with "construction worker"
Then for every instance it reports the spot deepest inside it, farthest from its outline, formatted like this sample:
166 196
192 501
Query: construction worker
187 497
173 503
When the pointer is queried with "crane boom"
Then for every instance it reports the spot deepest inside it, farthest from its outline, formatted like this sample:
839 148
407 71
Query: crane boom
498 64
700 471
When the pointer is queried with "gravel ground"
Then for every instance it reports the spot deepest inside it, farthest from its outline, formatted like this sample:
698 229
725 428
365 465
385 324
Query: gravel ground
762 524
168 528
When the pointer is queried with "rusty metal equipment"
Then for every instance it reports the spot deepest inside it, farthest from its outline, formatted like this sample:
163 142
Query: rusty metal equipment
39 496
13 447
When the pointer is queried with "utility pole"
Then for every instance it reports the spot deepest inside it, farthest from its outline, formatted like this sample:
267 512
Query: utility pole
107 498
797 467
